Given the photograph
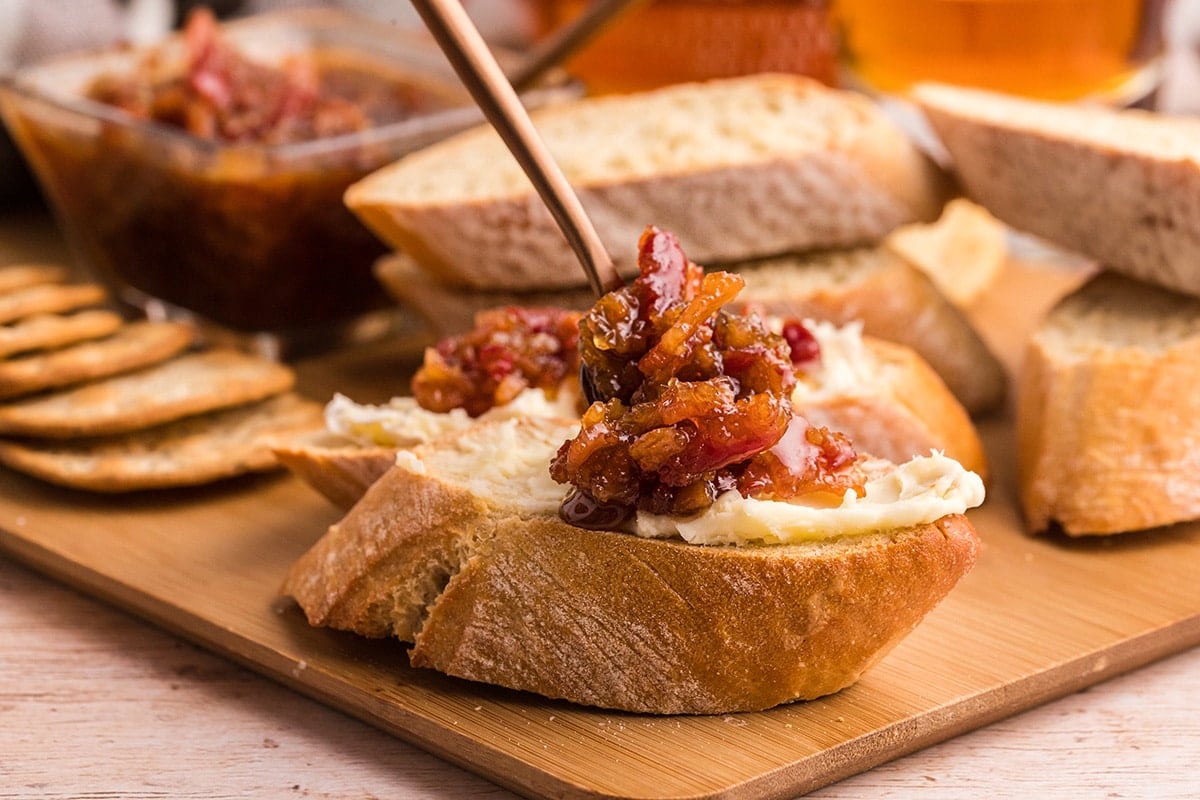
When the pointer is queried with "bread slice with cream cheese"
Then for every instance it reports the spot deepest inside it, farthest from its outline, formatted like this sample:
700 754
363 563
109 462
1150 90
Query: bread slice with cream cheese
882 395
889 295
458 550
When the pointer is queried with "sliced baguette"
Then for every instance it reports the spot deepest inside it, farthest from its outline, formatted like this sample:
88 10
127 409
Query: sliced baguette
737 168
894 299
891 404
963 252
457 550
1118 186
340 469
1108 416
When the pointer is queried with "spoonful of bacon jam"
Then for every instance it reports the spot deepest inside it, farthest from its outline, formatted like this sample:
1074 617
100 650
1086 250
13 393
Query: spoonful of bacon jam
692 401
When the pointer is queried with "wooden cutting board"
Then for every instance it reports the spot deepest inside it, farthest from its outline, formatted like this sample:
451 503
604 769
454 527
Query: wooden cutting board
1035 619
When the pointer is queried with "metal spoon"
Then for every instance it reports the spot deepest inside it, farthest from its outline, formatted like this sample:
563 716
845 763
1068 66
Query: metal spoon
483 78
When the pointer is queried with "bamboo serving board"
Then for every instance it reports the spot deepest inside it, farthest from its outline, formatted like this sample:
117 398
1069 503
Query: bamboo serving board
1035 619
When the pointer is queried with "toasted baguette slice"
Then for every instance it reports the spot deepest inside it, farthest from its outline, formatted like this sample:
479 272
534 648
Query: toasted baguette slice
1108 416
1118 186
458 550
448 310
963 252
341 469
894 299
188 452
360 442
737 168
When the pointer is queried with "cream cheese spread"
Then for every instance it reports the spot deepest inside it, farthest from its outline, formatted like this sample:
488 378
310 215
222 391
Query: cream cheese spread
917 492
401 422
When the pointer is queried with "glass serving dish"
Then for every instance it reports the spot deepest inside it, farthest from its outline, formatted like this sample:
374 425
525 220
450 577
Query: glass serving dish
253 238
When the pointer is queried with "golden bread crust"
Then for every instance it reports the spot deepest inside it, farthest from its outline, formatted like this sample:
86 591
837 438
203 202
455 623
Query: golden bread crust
1108 417
491 589
663 627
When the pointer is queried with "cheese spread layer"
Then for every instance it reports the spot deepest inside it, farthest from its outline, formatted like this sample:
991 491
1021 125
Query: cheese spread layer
914 493
401 422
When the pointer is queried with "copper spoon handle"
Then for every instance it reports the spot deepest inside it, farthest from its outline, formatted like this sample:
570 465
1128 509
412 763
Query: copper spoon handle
483 78
567 39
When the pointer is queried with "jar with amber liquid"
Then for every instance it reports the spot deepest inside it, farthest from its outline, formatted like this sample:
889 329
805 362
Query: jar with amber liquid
1106 50
673 41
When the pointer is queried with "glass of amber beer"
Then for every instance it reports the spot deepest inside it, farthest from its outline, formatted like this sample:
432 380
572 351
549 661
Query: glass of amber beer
671 41
1103 50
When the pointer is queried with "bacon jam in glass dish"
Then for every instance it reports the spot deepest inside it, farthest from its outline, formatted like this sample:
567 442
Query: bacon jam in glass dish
217 93
693 401
208 171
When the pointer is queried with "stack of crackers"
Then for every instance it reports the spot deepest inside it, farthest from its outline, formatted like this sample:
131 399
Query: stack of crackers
92 401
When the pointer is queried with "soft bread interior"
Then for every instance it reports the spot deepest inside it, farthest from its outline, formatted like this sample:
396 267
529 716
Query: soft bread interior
507 461
1111 312
1132 131
717 124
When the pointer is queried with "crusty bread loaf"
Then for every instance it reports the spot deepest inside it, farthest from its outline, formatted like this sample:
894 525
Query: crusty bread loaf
472 566
894 299
1118 186
737 168
963 252
1108 415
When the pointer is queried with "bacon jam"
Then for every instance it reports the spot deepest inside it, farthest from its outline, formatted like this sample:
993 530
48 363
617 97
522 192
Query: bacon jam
692 401
212 175
219 94
509 350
